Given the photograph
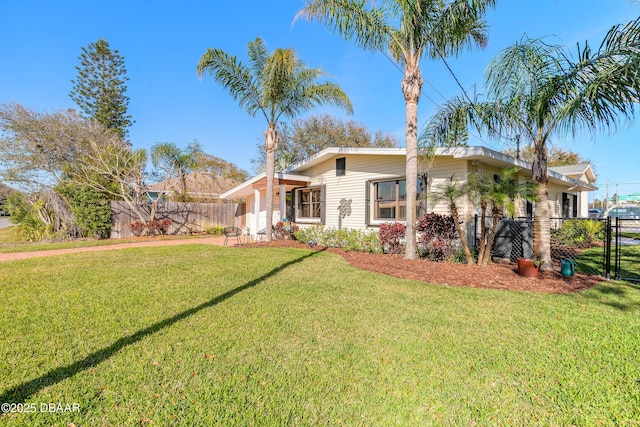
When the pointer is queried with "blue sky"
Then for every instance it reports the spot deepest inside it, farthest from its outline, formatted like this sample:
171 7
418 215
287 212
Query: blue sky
162 41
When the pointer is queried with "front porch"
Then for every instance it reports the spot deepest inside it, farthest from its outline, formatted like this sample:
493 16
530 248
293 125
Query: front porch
254 192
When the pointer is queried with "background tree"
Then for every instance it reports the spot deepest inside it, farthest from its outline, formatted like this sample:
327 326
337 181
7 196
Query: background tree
5 191
113 168
43 152
100 86
276 85
220 167
555 156
539 92
36 148
408 30
306 137
177 163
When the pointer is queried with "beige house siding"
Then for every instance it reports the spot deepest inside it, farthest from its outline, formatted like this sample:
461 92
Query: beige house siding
437 175
555 199
363 167
359 170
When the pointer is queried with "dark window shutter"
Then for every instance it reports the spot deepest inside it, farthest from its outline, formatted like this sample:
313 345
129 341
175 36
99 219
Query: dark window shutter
294 208
367 190
529 209
565 205
574 199
323 198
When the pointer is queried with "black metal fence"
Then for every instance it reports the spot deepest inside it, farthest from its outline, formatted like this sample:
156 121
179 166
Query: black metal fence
624 248
607 247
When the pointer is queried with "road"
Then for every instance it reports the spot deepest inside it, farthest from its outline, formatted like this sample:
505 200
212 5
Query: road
4 222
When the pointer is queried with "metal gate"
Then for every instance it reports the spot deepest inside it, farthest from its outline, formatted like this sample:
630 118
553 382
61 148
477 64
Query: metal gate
623 249
608 247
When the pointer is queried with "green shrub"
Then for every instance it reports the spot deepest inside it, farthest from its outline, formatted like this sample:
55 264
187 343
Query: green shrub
91 209
22 212
578 233
216 230
349 239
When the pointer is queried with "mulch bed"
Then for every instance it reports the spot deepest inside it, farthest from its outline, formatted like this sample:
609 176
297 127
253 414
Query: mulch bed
493 276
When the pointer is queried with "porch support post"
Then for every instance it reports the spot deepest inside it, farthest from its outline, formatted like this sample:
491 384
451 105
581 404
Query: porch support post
256 209
283 201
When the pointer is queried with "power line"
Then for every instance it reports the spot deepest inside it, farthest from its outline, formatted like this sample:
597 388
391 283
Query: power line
422 92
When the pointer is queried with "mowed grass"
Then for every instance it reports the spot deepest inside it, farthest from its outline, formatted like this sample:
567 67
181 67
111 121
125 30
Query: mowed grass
591 261
10 242
203 335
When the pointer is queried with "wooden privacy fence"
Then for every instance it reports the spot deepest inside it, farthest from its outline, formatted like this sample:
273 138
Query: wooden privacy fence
186 218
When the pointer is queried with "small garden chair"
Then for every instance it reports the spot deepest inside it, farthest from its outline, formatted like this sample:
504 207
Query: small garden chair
232 232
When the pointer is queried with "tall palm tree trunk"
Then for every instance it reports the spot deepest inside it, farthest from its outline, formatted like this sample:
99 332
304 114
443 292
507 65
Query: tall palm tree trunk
463 237
183 187
542 227
496 214
270 145
483 230
411 87
542 213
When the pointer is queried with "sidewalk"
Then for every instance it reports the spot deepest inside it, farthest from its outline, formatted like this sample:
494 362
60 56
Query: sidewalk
219 241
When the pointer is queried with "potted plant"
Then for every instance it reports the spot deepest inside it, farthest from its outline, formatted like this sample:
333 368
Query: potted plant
529 267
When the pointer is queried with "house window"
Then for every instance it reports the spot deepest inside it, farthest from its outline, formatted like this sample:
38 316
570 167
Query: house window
341 166
309 203
390 200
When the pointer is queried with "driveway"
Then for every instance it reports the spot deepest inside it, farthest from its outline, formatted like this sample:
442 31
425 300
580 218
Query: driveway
4 222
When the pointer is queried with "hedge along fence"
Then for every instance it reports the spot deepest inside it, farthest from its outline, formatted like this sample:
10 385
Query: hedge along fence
186 218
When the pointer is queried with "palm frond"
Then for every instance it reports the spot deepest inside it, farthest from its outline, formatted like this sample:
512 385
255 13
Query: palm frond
164 152
233 76
606 83
258 56
449 125
458 24
351 19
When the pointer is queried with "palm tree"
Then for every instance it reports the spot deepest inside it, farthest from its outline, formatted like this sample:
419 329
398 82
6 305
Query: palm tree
451 191
177 162
539 92
496 196
408 30
276 85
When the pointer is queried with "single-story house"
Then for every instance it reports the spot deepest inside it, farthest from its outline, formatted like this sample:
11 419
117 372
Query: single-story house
361 188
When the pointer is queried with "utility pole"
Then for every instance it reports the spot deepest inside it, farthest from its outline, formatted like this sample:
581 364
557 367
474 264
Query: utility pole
606 199
518 146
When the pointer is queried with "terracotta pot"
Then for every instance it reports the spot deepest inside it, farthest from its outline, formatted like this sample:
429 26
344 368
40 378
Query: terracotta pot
527 268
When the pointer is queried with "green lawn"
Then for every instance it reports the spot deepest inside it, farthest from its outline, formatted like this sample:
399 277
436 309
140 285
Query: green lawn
203 335
591 261
10 244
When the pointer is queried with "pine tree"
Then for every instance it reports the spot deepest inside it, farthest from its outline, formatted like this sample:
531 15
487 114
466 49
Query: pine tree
100 86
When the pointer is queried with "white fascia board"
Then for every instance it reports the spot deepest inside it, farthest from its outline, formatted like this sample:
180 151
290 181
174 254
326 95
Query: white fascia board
246 188
330 152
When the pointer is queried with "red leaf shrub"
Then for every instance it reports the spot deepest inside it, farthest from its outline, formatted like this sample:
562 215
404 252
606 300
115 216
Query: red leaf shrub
392 235
436 234
137 228
160 226
285 229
